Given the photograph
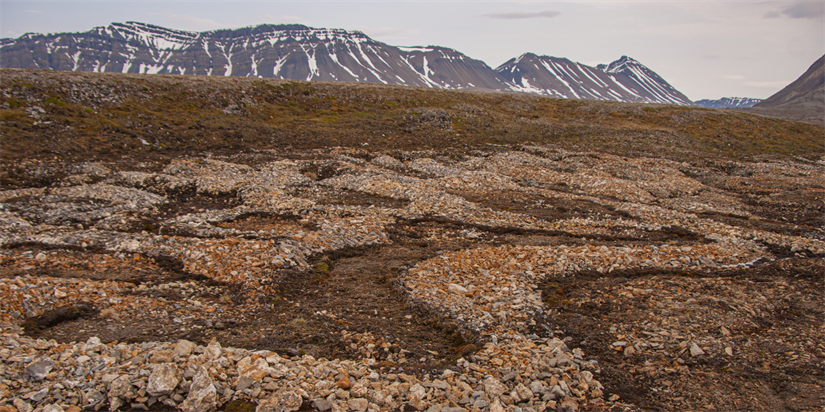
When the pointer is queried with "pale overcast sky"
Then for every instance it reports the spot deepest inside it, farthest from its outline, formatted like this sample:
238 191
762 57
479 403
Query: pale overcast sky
706 49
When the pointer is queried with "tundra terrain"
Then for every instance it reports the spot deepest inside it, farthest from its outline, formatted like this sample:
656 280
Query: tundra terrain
197 243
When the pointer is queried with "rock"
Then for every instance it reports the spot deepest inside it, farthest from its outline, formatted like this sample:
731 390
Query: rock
21 405
119 388
184 348
286 401
93 344
59 294
568 405
510 376
322 405
439 385
39 370
417 391
457 288
629 351
53 408
344 383
213 349
256 369
557 393
522 393
202 394
729 350
493 387
496 406
39 395
358 404
695 350
163 379
162 356
244 382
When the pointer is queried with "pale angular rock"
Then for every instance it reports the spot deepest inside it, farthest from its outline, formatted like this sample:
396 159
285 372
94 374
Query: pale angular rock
522 393
322 405
358 404
213 350
21 405
93 344
287 401
184 348
202 394
494 388
695 350
39 370
417 391
163 379
256 369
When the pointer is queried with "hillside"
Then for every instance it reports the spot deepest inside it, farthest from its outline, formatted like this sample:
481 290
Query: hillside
107 116
200 243
803 100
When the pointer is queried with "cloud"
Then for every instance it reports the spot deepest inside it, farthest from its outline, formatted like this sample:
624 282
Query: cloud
32 11
734 77
546 14
768 85
799 10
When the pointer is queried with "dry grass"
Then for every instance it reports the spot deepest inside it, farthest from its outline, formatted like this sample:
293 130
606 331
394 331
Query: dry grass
108 116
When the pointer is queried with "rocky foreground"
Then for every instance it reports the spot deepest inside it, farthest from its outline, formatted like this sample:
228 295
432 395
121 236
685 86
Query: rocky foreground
499 279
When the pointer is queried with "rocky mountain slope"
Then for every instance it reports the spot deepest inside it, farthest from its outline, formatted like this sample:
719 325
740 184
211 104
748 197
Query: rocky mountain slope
284 51
302 53
624 80
196 243
807 88
802 100
727 102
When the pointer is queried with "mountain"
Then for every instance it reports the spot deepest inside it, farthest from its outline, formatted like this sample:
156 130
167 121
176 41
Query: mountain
299 52
624 80
274 51
803 100
728 102
807 88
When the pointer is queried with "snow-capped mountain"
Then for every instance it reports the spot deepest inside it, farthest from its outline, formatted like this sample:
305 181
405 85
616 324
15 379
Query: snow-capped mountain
624 80
299 52
274 51
728 102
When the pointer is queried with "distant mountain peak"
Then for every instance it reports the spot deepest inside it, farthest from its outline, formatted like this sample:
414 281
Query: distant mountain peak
299 52
620 65
622 80
728 102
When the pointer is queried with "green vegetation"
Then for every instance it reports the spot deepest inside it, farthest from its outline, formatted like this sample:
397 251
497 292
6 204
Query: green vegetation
203 113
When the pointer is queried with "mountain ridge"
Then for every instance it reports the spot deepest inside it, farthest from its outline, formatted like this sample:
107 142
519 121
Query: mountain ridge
727 102
803 100
300 52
